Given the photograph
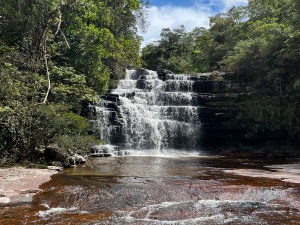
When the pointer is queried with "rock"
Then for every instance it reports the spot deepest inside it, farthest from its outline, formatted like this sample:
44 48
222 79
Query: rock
56 168
74 159
57 163
61 159
163 73
79 159
53 153
19 185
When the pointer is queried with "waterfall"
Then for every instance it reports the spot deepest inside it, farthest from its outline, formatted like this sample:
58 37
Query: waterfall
151 113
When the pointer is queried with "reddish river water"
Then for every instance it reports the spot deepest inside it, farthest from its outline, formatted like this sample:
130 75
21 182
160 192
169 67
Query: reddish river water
161 190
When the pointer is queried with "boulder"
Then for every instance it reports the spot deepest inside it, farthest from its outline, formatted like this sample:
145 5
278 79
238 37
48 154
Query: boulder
76 158
54 153
62 159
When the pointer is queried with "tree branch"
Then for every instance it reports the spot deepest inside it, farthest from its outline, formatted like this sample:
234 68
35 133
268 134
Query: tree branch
67 43
59 22
47 71
58 28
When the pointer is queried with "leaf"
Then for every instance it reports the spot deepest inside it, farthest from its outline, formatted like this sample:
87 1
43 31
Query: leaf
296 84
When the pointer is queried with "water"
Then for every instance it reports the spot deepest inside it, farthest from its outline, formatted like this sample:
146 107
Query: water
151 114
162 190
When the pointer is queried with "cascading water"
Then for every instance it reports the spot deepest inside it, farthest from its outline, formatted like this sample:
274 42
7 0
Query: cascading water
149 112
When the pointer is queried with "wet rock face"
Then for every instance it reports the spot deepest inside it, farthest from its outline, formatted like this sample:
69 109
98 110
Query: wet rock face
162 74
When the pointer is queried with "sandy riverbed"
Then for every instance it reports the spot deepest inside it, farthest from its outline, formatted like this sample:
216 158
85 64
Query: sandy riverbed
19 184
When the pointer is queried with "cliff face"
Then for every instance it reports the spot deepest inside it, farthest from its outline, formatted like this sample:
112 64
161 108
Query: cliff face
219 99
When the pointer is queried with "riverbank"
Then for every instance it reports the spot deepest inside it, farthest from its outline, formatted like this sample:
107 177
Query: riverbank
19 184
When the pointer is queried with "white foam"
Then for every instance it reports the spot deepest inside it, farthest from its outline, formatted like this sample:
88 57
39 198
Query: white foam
56 211
163 153
108 150
4 200
201 216
214 218
212 203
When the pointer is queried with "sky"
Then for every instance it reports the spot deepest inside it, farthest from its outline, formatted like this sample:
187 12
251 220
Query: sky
190 13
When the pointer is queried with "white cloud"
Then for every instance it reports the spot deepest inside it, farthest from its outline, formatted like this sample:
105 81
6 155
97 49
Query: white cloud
193 16
172 17
229 3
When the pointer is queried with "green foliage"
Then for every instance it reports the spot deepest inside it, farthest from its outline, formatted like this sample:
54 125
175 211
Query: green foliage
260 44
102 38
281 10
77 143
200 50
269 59
70 124
56 56
264 114
68 86
172 52
296 84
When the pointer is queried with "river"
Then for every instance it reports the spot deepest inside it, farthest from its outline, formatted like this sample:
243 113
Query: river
204 189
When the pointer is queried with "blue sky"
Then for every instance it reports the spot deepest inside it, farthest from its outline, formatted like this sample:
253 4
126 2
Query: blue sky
172 2
190 13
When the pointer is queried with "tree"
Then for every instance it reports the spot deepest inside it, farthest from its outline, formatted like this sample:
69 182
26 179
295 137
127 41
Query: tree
282 10
267 58
172 52
55 57
200 50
